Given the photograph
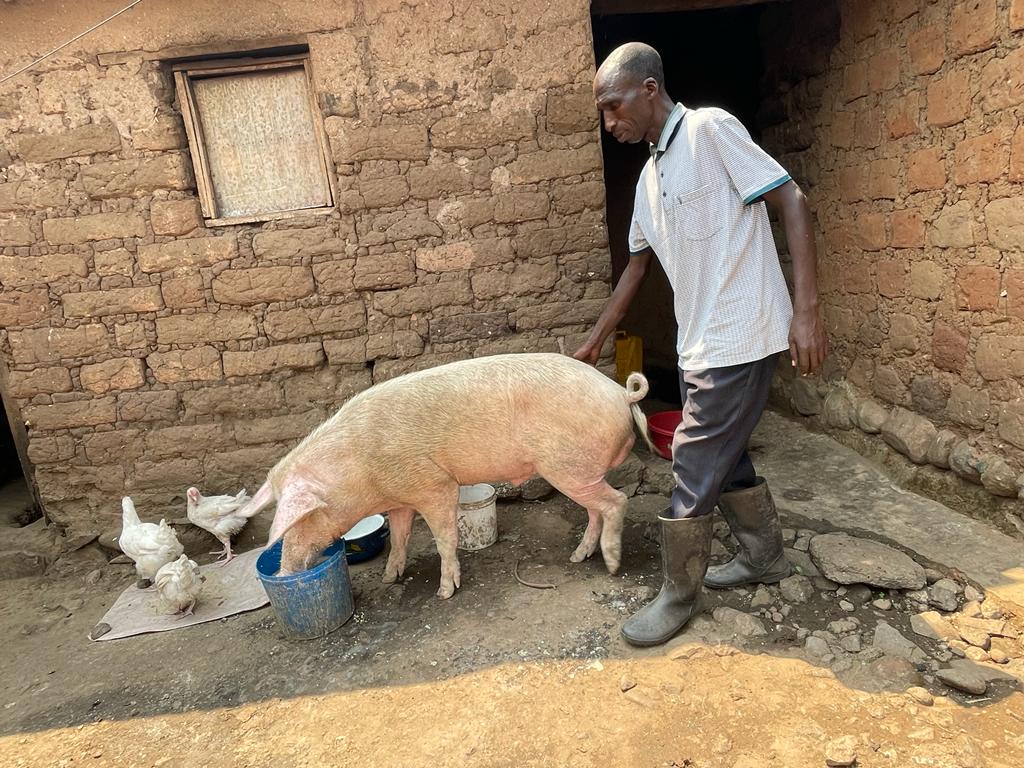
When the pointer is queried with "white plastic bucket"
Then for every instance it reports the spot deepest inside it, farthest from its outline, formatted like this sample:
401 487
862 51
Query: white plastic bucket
478 516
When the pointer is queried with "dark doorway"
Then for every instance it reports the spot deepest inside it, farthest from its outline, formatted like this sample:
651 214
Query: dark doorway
711 58
17 507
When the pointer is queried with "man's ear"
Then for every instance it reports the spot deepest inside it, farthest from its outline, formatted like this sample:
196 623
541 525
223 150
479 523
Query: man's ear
651 87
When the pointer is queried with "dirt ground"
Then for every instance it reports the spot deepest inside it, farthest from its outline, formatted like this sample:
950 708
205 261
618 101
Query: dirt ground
500 675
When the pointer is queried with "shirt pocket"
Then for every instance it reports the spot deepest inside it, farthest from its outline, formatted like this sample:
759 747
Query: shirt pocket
697 212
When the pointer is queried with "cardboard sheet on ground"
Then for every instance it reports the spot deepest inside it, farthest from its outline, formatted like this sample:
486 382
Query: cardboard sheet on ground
229 589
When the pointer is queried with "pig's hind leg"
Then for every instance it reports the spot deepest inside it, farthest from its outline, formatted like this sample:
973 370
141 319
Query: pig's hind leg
400 522
606 508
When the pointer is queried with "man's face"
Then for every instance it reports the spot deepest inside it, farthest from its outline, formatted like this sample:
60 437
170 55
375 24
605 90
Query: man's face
626 104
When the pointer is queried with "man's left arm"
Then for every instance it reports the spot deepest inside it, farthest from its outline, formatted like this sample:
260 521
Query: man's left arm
808 343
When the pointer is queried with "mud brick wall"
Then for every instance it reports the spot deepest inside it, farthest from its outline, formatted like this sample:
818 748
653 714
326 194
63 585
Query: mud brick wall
903 121
146 352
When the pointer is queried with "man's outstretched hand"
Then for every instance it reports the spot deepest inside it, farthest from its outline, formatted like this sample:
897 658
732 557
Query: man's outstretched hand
588 353
808 343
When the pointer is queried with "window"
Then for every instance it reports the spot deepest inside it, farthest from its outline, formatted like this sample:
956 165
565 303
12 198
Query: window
256 138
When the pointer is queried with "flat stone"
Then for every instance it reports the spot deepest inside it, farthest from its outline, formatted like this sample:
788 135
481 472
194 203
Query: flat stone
931 625
741 623
849 560
846 605
962 679
842 626
851 644
815 646
971 593
805 398
920 695
996 627
841 752
975 654
976 637
882 604
869 416
762 598
889 640
796 589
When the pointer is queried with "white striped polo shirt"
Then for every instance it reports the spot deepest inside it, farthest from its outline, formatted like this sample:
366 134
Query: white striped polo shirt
698 207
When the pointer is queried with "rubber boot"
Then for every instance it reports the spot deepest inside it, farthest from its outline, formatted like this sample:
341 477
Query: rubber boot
685 548
750 513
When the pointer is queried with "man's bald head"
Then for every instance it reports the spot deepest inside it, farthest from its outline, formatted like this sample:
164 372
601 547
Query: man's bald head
634 61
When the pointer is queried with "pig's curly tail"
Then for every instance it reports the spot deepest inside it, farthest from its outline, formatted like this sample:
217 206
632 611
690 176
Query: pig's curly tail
636 387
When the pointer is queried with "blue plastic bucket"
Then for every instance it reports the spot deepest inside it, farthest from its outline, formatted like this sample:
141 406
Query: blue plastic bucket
366 538
313 602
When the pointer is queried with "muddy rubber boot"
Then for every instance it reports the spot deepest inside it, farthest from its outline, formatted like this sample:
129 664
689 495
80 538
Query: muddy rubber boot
751 515
685 548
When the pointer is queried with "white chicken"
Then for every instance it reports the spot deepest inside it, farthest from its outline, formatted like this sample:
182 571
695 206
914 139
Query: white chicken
219 515
149 545
179 583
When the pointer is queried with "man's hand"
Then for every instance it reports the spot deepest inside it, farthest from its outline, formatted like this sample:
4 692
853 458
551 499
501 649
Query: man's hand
808 343
588 353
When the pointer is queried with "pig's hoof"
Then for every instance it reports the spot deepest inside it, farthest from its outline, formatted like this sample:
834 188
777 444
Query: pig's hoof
389 578
445 591
612 566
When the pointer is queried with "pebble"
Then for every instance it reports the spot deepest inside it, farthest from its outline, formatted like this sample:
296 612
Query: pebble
796 589
974 653
626 684
958 647
859 593
841 752
851 644
963 680
971 609
802 633
92 578
943 595
842 626
998 656
920 695
931 575
777 617
976 637
762 598
846 605
882 604
815 646
972 594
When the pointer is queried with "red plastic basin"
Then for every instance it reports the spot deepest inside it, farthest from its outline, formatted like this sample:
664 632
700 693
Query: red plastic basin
663 426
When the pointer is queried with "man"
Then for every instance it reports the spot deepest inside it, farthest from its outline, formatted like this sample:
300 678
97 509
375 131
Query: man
700 209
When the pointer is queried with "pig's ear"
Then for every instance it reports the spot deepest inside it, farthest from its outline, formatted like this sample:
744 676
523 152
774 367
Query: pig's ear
295 503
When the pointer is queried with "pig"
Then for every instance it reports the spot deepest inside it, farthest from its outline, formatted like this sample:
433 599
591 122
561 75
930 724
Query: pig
406 445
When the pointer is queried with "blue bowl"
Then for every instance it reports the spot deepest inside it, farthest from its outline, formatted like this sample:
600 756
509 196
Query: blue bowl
366 539
310 603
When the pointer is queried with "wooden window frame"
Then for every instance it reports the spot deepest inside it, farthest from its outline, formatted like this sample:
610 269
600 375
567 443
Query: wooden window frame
184 73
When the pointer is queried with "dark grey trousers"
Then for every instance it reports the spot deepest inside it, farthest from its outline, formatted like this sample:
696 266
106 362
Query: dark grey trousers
721 407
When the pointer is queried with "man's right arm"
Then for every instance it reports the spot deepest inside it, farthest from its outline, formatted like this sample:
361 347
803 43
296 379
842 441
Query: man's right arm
629 284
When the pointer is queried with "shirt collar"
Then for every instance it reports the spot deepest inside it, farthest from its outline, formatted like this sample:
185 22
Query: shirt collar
668 131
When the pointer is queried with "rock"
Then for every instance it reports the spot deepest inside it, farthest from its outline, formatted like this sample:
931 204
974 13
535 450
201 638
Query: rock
823 584
846 605
815 646
998 477
972 594
850 560
958 647
796 589
805 398
628 472
777 617
841 751
882 604
803 540
17 564
858 594
507 491
801 634
788 536
943 595
851 644
643 697
932 575
975 654
987 672
996 627
108 539
94 577
869 416
963 679
626 684
892 672
965 462
838 411
930 624
75 542
802 563
741 623
939 450
658 477
889 640
920 695
536 488
842 626
998 656
909 433
917 596
762 598
718 550
1006 647
976 637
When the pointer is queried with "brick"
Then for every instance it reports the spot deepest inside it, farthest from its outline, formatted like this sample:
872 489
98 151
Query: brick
574 198
114 446
380 193
346 351
50 345
408 224
416 299
892 278
973 26
1004 221
954 227
907 229
949 99
116 262
1011 423
352 143
334 277
926 170
1017 154
38 381
1001 84
175 217
949 347
166 132
188 440
434 181
853 183
928 396
1017 15
558 314
112 301
570 112
234 464
977 288
183 292
290 243
1000 357
196 364
64 483
855 80
841 130
131 335
533 277
884 70
867 131
514 207
444 258
903 116
50 450
927 49
97 226
147 406
884 179
277 428
39 270
856 276
113 375
79 413
270 359
167 473
235 399
21 308
393 344
193 252
554 164
979 159
136 177
286 324
481 130
1013 281
16 232
968 406
32 194
862 19
870 234
87 140
225 325
325 386
384 271
888 385
571 238
927 280
262 285
477 326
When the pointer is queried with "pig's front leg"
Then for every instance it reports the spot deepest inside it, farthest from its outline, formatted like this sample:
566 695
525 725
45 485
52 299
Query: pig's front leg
400 522
441 517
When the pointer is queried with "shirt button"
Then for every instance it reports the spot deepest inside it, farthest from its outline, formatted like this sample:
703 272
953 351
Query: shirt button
664 194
